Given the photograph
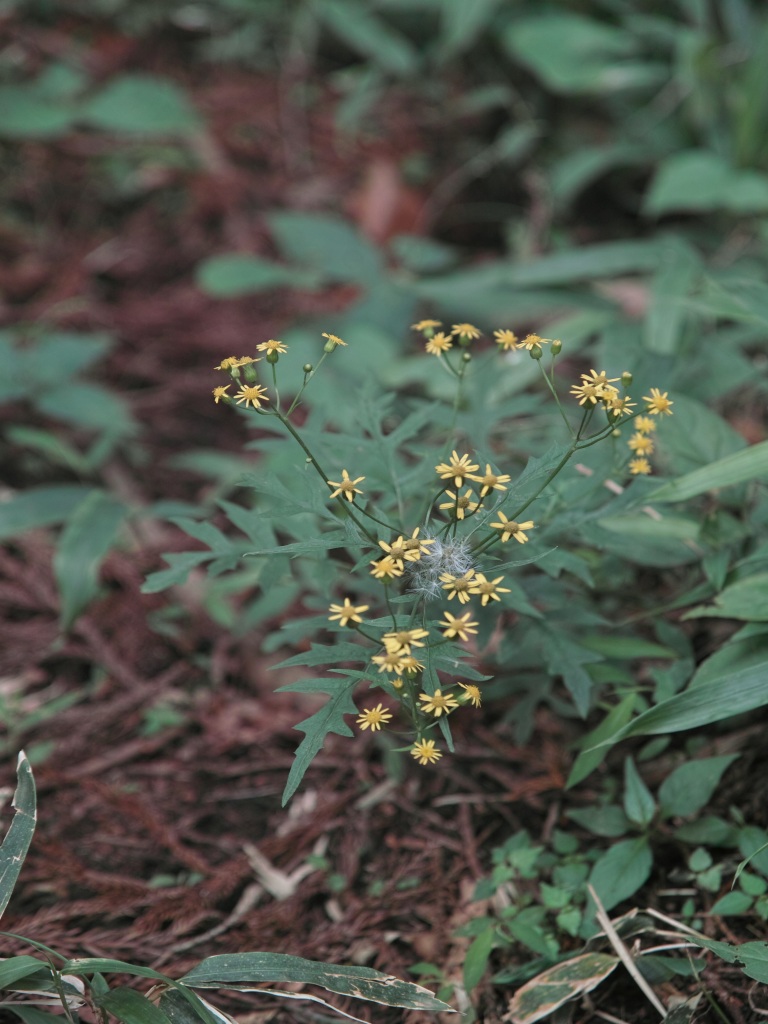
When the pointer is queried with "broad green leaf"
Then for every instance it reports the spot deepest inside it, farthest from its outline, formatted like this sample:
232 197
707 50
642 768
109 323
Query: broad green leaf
751 957
39 506
542 995
84 541
647 540
89 406
477 956
700 181
639 805
566 658
17 967
606 259
330 245
330 718
131 1007
369 35
626 647
745 599
748 464
594 753
705 439
31 110
326 654
620 871
20 832
732 903
31 1015
678 272
237 969
687 790
609 821
461 23
143 104
233 274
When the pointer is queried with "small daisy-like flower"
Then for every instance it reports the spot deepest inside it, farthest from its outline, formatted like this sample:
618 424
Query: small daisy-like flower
272 346
397 683
460 626
221 392
251 393
374 718
641 444
645 425
472 694
599 379
425 752
490 482
457 469
345 486
658 404
531 340
465 331
640 466
488 589
402 640
416 546
461 504
616 406
586 393
386 568
438 702
426 325
509 528
506 340
411 665
390 661
232 362
397 550
347 612
458 586
438 344
334 340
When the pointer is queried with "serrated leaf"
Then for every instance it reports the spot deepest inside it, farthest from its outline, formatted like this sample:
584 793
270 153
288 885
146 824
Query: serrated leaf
330 718
326 654
237 969
689 787
751 957
542 995
566 658
39 506
312 546
85 540
20 832
181 564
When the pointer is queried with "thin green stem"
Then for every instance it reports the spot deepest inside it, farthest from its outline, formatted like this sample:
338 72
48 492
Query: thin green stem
551 387
274 384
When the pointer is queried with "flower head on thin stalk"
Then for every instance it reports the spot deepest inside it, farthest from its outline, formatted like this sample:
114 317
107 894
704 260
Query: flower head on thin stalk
426 752
345 486
374 718
347 612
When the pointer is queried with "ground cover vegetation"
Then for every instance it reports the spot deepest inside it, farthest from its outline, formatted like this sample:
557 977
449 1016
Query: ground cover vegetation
393 373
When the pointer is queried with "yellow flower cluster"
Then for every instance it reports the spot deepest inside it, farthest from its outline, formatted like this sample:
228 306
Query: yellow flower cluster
641 443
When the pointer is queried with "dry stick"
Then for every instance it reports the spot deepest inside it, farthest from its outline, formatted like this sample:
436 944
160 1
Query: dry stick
623 954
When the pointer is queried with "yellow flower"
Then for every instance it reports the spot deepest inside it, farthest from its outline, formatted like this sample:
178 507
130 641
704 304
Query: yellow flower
334 340
425 752
345 486
402 640
232 362
461 504
456 469
616 406
373 718
595 386
460 626
506 340
641 444
386 568
426 325
489 589
438 702
599 379
586 393
642 466
490 481
658 403
390 661
472 694
531 340
272 346
509 528
438 344
465 331
347 612
416 547
251 393
221 392
411 665
645 425
397 683
397 550
458 586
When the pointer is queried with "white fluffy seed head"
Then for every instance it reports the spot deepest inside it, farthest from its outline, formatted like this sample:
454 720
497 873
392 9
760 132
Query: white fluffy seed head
444 556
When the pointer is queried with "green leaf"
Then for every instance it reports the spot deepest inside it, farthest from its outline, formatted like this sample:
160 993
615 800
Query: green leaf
28 111
606 259
594 753
85 540
677 274
689 787
476 958
699 180
542 995
646 540
609 820
330 245
89 406
31 1015
18 967
620 871
369 35
20 832
748 464
566 658
639 805
326 654
732 903
330 718
233 274
745 599
461 23
237 969
39 506
131 1007
751 957
141 103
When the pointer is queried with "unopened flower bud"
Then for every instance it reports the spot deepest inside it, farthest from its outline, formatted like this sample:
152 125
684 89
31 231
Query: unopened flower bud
273 356
615 432
308 367
557 347
250 373
626 378
536 352
329 346
466 357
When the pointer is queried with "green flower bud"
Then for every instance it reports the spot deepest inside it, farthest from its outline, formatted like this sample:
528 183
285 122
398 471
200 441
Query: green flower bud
536 352
329 346
557 347
308 367
615 432
272 357
466 357
626 378
250 373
